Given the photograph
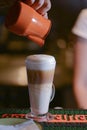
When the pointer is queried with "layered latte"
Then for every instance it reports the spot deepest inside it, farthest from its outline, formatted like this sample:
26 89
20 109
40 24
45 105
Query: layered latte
40 74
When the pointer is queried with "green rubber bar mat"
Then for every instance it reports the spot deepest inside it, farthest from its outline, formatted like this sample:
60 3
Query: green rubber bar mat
66 119
53 111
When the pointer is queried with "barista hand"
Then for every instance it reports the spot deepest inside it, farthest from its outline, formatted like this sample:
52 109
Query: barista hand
41 6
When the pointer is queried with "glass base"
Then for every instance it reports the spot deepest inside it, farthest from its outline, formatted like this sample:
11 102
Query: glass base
40 118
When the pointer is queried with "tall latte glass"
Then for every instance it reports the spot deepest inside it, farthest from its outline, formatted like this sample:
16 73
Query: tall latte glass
40 74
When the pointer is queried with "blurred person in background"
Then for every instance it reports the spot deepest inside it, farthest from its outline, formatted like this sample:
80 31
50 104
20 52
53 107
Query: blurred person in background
72 18
80 59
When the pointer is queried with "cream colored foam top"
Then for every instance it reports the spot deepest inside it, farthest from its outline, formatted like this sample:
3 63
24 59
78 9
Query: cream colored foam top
40 62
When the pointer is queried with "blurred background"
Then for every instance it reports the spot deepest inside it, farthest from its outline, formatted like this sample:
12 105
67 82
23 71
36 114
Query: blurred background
59 43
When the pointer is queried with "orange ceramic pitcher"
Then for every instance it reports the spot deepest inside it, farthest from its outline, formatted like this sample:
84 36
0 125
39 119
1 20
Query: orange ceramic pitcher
23 20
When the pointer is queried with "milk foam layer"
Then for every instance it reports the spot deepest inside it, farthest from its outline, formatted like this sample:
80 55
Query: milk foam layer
40 62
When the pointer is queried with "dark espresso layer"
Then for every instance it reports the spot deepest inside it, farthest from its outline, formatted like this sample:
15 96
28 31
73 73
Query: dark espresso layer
39 76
